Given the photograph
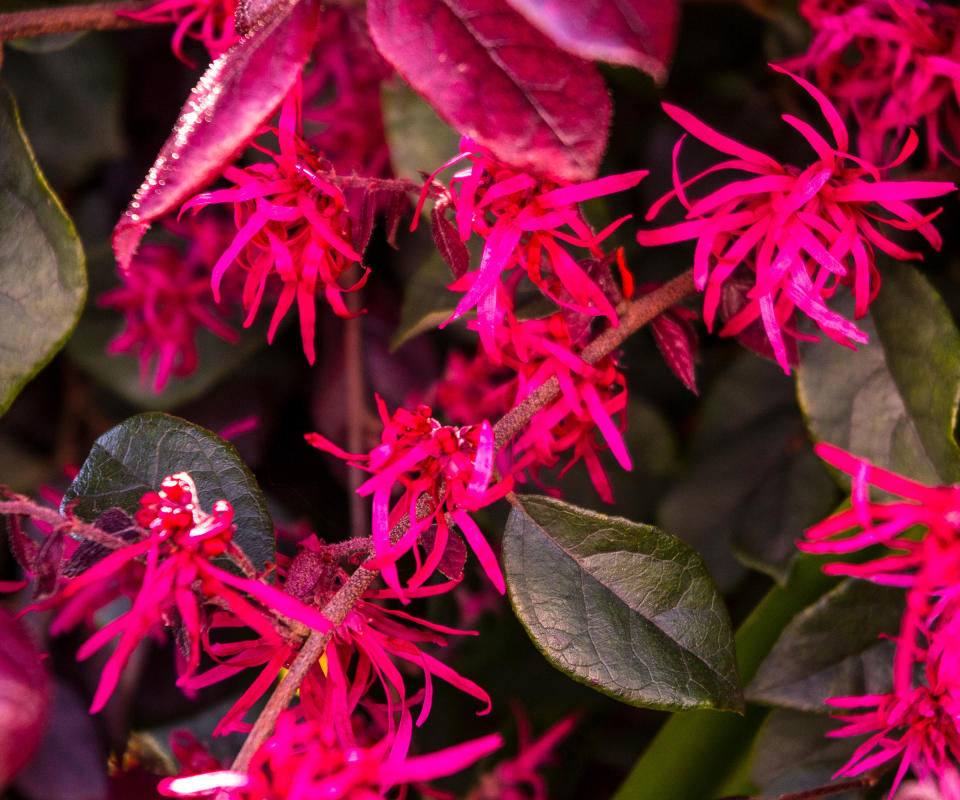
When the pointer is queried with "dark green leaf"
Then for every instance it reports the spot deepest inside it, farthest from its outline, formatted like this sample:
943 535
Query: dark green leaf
894 401
755 482
793 753
620 606
136 455
42 278
833 648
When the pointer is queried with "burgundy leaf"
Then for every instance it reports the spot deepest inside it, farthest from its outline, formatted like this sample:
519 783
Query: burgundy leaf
637 33
454 554
250 12
24 697
451 247
47 569
495 78
677 341
233 98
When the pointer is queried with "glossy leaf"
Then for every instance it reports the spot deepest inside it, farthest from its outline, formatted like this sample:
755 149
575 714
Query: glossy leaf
137 454
236 94
24 697
43 281
894 401
832 649
754 483
495 78
620 606
636 33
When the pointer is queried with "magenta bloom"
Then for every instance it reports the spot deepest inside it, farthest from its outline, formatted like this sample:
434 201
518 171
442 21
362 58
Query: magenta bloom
802 232
210 22
449 467
305 760
525 222
889 65
374 644
593 399
164 299
174 580
293 226
919 722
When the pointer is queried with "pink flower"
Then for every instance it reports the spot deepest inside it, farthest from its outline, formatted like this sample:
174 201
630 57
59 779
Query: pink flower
211 22
919 721
518 778
305 760
525 222
449 467
801 231
373 644
889 65
293 225
168 575
593 398
164 299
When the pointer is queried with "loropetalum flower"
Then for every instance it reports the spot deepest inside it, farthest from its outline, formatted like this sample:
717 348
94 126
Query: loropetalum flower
919 721
305 760
450 468
526 222
373 643
889 65
165 298
292 225
211 22
168 576
801 232
593 398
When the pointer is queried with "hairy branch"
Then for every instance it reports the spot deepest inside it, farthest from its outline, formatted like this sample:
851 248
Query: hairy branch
633 316
69 19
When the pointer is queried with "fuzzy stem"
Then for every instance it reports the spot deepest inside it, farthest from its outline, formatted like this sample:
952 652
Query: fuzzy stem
633 316
23 507
68 19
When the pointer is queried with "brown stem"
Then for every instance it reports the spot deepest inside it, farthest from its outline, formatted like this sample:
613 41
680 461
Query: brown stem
22 506
67 19
633 316
354 368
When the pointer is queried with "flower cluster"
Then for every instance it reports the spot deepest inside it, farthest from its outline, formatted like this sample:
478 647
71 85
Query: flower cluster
292 225
919 721
371 644
593 398
889 65
165 298
444 473
801 232
525 221
305 759
163 566
211 22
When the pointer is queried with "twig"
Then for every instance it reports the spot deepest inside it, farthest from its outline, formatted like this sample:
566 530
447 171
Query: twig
633 316
68 19
822 791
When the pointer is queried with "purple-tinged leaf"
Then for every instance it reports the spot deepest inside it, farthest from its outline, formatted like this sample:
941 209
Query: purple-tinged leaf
448 242
250 12
24 697
454 554
236 94
637 33
495 78
677 341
